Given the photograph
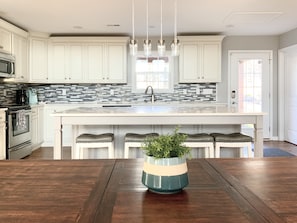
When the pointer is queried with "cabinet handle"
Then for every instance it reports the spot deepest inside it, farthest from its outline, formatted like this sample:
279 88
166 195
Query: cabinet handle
65 78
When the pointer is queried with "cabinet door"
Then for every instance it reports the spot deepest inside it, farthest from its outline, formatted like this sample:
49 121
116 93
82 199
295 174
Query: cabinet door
58 64
34 123
2 136
211 62
40 124
189 63
116 64
94 63
20 50
5 41
74 71
39 61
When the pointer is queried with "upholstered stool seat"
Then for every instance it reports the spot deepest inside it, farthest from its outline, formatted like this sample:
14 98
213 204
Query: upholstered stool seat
134 140
201 140
86 140
233 140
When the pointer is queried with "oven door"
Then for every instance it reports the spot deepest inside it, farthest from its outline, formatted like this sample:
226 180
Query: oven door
19 127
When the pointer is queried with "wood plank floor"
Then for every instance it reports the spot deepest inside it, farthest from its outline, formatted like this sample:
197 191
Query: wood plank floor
46 153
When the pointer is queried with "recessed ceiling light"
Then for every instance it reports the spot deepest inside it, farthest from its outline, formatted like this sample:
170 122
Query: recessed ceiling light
113 25
77 27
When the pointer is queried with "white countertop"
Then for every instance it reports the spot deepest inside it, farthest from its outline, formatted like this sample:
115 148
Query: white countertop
155 110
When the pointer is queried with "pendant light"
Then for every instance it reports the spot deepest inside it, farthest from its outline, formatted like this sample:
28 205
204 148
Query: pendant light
133 42
147 44
175 43
161 42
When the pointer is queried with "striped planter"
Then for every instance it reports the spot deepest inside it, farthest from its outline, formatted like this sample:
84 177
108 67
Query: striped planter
165 175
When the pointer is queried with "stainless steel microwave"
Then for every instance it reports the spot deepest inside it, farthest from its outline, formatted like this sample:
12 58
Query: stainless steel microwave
7 65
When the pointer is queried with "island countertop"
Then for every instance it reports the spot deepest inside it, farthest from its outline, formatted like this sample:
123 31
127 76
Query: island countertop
155 110
158 115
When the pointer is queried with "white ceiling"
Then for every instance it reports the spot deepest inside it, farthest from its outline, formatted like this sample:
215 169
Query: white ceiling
113 17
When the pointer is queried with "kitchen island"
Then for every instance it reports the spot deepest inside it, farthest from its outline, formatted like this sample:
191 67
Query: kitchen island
220 190
157 115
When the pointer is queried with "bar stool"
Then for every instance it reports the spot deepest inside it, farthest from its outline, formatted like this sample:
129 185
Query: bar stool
134 140
85 141
201 140
233 140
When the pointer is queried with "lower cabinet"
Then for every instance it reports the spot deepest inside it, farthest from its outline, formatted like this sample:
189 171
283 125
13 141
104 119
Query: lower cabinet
37 126
2 135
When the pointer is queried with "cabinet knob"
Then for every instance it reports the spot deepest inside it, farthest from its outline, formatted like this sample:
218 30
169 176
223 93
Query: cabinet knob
1 47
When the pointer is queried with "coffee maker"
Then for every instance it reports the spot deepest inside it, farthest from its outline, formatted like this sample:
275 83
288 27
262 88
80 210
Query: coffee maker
21 97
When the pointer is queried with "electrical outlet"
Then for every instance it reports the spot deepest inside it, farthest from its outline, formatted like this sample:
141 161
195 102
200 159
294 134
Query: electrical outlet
111 92
63 92
185 91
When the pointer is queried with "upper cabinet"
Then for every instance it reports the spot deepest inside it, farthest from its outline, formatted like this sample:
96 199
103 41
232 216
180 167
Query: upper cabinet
200 59
5 40
20 51
14 40
88 60
38 60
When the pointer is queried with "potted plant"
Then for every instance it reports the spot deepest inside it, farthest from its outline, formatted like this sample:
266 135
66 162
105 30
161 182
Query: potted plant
165 168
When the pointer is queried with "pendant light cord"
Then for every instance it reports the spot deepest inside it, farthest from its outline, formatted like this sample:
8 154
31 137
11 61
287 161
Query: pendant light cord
133 16
161 22
175 20
147 5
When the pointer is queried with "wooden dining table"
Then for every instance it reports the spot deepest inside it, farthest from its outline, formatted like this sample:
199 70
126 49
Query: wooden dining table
220 190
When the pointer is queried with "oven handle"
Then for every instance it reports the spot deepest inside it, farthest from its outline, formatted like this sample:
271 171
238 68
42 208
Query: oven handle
25 112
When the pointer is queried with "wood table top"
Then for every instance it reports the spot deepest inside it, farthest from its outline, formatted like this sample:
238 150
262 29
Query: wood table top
219 190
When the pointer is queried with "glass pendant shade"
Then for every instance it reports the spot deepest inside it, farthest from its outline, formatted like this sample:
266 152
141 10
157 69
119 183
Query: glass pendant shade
133 47
175 47
161 47
147 47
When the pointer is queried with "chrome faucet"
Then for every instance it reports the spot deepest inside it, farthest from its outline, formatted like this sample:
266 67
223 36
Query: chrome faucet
151 94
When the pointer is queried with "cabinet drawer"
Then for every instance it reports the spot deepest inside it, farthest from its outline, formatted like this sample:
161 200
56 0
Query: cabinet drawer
2 117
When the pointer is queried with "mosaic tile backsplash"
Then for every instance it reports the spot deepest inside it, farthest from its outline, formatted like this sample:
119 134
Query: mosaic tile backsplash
113 93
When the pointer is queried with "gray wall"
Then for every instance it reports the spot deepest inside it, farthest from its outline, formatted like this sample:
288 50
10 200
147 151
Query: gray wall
250 43
288 39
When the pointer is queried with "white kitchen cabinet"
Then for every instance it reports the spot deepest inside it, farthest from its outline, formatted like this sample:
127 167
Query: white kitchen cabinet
2 135
37 125
200 59
88 60
94 62
39 60
66 63
20 51
116 64
5 40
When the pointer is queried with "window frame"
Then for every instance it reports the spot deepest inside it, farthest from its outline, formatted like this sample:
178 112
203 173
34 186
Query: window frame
170 78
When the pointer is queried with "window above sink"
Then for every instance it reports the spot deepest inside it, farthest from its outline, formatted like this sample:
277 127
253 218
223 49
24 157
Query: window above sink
156 71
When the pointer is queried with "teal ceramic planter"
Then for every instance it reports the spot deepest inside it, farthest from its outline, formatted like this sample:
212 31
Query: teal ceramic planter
165 175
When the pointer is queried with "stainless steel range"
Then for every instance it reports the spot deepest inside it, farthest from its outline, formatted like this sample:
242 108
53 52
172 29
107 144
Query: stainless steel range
18 134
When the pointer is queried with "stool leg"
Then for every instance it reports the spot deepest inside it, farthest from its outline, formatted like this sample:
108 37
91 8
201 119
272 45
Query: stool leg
111 151
250 154
218 150
206 152
211 151
126 153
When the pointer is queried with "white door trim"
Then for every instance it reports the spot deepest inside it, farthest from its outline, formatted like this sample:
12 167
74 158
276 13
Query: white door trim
270 52
281 88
